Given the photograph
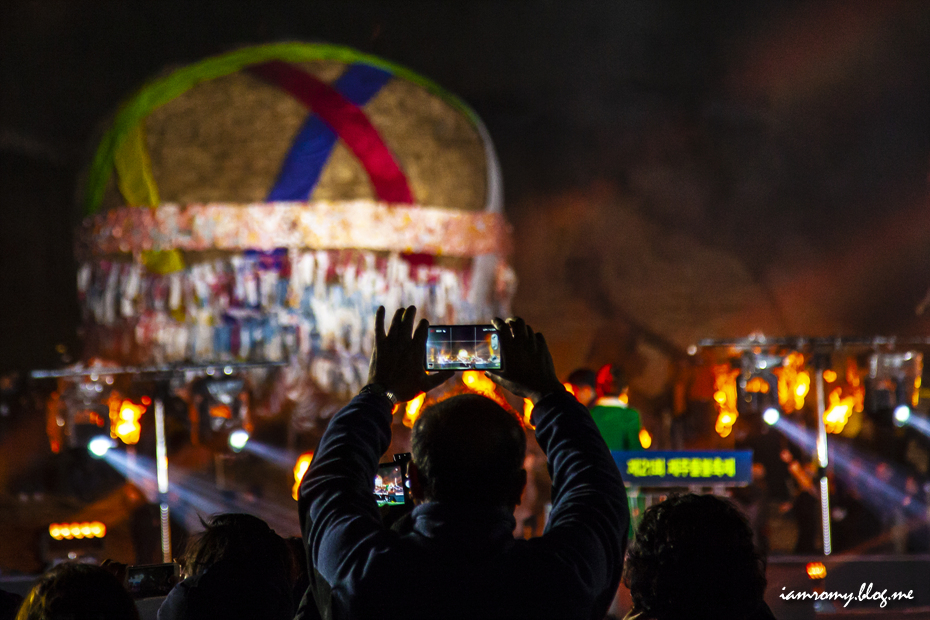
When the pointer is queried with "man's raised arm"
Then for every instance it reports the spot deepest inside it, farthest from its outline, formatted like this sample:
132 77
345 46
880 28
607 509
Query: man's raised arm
338 512
587 526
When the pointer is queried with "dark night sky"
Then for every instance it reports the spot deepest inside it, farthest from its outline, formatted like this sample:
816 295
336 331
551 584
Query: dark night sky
786 144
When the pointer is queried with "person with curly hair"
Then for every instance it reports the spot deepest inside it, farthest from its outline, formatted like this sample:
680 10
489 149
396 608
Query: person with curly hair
693 557
78 591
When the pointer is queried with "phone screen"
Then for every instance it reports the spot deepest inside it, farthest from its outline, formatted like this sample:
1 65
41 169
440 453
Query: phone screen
147 580
389 484
463 347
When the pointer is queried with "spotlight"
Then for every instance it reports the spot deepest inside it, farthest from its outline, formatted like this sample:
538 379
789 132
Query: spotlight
99 446
902 413
771 416
237 439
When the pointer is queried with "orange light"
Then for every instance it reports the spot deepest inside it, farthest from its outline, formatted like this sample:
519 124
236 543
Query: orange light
794 382
527 412
855 384
221 411
837 412
70 531
412 411
725 398
146 401
300 468
816 570
569 388
829 376
645 438
477 382
757 385
125 425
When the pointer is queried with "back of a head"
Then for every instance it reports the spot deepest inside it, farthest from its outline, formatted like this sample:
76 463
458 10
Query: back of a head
469 449
78 592
235 537
693 557
236 568
583 377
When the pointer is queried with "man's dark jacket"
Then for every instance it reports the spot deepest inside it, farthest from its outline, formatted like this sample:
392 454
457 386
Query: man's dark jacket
460 560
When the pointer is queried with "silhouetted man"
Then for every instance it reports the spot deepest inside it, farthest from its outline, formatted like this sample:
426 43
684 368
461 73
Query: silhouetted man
458 558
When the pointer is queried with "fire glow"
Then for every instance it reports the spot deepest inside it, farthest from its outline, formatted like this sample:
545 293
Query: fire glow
725 398
794 382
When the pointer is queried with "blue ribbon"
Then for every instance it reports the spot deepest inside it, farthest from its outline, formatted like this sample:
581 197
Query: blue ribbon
315 141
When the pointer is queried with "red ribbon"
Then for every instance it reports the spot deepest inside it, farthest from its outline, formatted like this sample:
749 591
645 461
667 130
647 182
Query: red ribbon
348 121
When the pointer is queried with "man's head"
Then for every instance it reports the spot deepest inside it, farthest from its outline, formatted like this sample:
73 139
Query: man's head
584 385
693 556
469 449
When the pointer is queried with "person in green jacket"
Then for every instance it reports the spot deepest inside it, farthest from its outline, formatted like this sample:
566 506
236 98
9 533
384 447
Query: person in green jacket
620 424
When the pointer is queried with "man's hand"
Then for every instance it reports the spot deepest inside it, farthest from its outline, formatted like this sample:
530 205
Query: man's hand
397 360
528 369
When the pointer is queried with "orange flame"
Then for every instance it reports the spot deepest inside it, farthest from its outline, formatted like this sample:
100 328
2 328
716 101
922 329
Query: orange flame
758 385
838 411
412 410
300 468
527 412
125 424
645 439
725 398
477 382
855 384
794 382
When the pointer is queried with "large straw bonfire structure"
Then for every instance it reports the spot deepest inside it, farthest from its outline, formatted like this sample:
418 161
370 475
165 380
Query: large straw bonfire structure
260 205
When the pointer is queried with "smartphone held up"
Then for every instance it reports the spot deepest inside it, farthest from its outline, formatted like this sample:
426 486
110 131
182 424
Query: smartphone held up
463 347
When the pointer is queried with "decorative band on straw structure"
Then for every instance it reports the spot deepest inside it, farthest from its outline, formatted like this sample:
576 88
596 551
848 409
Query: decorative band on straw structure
312 225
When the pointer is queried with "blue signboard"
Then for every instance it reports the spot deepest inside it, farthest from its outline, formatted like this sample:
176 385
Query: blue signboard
685 468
